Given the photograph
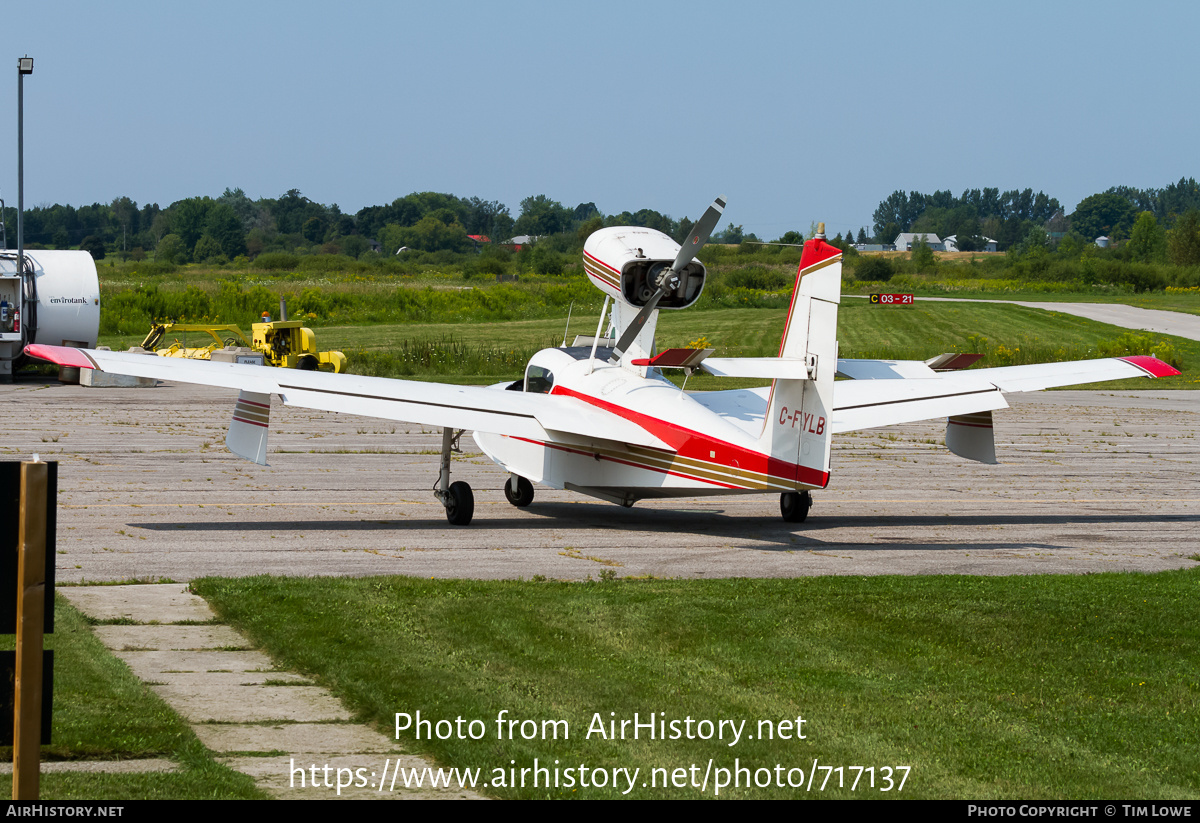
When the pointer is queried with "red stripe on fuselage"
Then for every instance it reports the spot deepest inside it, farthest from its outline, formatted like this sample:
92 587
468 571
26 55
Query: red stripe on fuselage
633 463
697 446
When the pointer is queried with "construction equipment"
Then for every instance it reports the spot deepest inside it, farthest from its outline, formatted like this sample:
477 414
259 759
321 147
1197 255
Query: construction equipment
282 343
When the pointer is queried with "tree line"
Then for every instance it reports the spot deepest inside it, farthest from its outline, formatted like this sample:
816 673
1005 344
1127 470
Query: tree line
230 226
1009 217
196 229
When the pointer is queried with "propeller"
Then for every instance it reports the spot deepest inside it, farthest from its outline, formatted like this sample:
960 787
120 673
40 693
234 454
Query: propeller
664 279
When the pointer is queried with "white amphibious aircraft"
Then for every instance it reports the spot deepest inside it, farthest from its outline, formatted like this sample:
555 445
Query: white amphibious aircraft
599 418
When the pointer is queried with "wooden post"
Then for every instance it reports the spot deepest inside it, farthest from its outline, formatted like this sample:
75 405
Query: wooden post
31 607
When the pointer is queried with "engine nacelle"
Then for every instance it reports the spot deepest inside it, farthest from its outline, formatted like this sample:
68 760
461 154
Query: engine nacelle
623 261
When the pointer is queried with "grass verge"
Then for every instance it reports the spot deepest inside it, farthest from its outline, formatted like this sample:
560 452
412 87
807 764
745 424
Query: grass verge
987 687
103 712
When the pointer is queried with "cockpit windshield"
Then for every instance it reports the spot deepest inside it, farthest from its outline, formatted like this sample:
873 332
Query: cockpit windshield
538 379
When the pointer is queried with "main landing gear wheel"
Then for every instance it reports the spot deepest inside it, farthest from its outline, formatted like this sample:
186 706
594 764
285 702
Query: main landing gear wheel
460 504
794 506
456 497
523 495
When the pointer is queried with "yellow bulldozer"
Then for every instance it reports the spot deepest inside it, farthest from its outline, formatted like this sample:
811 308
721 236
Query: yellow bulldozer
282 343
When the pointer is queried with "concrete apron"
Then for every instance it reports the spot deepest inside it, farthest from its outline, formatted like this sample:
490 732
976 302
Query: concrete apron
243 708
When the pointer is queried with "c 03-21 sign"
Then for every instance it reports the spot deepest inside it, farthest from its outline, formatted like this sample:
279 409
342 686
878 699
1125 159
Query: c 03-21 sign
892 299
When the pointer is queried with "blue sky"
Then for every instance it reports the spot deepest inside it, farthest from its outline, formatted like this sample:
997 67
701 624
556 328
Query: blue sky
797 112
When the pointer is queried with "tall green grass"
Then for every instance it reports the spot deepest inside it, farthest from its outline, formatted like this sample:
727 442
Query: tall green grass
129 310
445 356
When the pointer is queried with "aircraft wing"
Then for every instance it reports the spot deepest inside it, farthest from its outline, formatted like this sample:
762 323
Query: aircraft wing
1071 373
438 405
866 404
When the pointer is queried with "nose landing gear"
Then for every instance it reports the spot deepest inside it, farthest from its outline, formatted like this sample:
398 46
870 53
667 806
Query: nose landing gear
518 491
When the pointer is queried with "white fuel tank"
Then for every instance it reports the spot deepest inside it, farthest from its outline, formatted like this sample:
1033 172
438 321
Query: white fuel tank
58 305
67 295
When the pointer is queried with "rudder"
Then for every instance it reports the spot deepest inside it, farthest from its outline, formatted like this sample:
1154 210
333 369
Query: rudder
797 425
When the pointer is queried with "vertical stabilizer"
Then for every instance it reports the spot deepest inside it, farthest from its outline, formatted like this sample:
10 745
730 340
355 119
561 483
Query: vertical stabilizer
796 429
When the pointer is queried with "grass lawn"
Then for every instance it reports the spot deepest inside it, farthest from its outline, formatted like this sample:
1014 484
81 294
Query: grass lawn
485 332
1008 335
985 687
103 712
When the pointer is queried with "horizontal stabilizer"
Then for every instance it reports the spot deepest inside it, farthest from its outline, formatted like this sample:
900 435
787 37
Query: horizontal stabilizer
884 369
588 340
765 368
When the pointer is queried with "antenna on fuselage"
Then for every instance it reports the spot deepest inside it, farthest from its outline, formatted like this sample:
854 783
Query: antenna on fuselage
568 328
596 339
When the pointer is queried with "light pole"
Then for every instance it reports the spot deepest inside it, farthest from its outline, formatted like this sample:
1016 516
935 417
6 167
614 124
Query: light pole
24 67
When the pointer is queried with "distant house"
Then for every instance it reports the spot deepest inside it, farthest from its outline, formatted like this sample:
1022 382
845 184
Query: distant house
520 241
905 240
478 241
951 243
1102 242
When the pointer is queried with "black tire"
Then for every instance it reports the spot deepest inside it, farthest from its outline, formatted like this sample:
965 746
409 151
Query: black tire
524 495
309 364
794 506
461 504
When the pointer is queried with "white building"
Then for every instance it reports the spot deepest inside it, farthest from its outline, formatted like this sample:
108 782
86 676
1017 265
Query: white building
951 243
905 240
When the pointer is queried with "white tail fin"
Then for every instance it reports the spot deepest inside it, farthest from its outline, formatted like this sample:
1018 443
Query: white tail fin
797 427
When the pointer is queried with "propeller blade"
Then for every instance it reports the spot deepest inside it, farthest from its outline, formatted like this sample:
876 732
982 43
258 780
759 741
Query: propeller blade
669 279
632 330
699 234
